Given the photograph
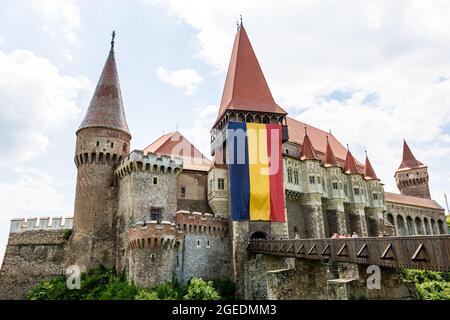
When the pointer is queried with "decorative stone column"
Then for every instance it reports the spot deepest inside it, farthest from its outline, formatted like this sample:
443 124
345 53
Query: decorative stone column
338 206
361 226
312 209
376 214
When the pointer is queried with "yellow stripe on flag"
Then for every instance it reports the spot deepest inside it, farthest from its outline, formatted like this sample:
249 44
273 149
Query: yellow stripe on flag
258 169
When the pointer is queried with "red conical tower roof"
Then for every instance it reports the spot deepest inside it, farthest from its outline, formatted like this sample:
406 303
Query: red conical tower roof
106 107
246 88
369 173
350 165
409 161
308 152
329 159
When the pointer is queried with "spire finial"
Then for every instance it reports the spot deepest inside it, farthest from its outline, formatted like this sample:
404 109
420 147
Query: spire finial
327 138
306 132
348 147
113 36
240 17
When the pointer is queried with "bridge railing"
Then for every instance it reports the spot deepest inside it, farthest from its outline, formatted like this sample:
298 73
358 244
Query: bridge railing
418 252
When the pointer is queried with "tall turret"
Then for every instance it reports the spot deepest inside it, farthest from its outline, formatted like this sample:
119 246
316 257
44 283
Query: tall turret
246 102
103 138
412 175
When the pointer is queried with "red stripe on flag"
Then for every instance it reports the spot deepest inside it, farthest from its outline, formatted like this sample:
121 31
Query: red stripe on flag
275 173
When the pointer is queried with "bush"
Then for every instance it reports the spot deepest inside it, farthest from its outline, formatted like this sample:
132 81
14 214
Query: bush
101 283
434 290
198 289
226 288
430 285
145 294
67 234
98 283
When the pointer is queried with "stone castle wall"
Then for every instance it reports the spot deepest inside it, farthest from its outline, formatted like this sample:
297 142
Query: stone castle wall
206 246
31 256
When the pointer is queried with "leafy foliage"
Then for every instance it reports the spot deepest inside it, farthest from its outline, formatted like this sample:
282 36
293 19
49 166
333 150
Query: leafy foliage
101 283
200 289
98 283
430 285
67 234
226 288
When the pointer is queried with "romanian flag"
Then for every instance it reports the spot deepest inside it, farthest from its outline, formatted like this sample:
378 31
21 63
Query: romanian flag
256 171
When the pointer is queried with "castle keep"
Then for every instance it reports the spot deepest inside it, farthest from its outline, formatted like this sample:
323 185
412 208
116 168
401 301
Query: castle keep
165 212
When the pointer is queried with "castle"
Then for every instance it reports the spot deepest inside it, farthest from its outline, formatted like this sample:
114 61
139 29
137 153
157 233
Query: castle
164 212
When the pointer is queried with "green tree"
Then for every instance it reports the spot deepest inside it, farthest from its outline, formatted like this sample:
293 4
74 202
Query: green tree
430 285
199 289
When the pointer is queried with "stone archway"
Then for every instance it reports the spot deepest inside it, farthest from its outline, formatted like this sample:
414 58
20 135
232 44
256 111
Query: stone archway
433 227
441 227
259 235
410 225
418 224
427 226
401 230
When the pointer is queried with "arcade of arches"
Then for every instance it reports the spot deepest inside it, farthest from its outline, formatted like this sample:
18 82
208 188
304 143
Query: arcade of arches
409 221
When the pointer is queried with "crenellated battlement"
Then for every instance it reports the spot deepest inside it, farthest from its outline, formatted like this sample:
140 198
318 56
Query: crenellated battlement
20 225
201 223
151 234
151 162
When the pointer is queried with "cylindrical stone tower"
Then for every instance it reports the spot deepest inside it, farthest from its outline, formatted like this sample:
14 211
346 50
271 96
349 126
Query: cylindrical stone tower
102 140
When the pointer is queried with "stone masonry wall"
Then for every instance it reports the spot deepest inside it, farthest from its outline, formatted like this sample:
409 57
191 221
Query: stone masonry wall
205 256
31 256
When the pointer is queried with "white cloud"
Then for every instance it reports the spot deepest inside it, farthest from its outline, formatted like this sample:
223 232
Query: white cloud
34 100
390 57
186 79
32 194
198 132
61 18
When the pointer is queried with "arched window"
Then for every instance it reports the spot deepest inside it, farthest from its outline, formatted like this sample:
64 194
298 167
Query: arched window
296 176
289 172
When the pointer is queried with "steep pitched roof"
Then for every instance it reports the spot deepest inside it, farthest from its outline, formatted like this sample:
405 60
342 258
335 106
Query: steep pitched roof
350 165
174 144
318 138
409 161
308 152
106 107
245 87
369 173
413 201
329 159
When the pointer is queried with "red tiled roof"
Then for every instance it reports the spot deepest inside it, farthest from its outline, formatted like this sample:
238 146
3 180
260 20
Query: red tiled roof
329 159
369 173
413 201
350 165
308 152
106 107
174 144
318 139
409 161
246 88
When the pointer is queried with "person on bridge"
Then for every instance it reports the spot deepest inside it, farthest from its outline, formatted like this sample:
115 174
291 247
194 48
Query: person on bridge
355 235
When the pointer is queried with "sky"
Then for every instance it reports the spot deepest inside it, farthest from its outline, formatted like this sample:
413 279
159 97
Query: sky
372 72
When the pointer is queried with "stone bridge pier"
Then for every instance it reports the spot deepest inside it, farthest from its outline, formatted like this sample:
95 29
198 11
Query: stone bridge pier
286 278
